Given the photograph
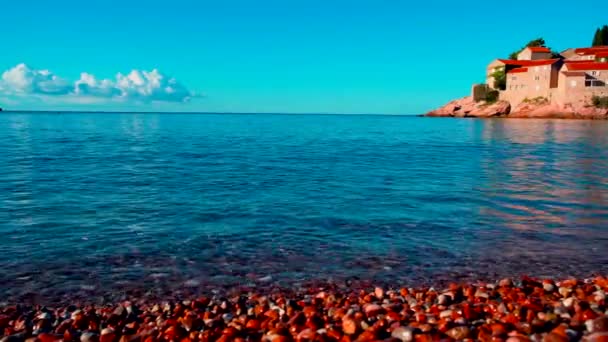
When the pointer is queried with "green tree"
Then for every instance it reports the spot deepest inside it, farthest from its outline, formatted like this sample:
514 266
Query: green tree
600 38
536 42
533 43
500 79
597 38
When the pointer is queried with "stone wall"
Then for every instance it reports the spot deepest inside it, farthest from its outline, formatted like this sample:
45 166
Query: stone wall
580 97
479 92
575 96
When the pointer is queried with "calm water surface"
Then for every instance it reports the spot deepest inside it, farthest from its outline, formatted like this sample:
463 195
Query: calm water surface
93 204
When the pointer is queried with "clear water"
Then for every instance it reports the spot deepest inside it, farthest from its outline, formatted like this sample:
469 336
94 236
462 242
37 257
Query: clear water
92 204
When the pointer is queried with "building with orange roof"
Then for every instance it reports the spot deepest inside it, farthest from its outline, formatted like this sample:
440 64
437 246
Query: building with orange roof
575 77
589 53
534 53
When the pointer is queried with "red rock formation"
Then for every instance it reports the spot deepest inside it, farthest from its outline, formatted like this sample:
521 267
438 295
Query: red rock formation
466 107
552 110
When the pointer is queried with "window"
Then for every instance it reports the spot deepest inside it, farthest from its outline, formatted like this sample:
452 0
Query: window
594 73
536 78
592 82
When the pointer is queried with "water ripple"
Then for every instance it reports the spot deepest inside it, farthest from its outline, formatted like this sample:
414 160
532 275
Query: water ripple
95 203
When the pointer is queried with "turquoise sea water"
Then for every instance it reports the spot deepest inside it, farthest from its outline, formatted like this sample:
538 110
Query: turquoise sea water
99 203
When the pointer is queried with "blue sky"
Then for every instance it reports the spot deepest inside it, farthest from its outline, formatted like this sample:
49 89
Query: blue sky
380 56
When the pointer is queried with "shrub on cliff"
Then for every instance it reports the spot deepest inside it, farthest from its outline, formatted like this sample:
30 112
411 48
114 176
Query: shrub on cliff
492 96
600 101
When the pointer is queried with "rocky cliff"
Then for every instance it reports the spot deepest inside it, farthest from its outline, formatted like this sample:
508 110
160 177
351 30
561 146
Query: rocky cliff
466 107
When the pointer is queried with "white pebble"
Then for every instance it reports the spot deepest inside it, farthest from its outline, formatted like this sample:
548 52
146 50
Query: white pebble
107 331
599 295
564 291
568 302
445 314
405 334
481 294
442 299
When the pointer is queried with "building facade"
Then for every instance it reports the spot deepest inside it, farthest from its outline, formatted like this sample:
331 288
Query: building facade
573 78
534 53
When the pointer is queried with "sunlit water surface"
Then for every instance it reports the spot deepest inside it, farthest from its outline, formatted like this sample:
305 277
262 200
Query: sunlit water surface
98 204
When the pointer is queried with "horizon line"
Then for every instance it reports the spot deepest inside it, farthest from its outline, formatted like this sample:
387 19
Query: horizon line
191 112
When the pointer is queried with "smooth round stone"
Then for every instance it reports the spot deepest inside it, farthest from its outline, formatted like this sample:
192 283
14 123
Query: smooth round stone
446 314
481 294
597 337
548 287
505 282
568 302
458 333
564 291
372 309
89 337
379 292
349 326
599 324
405 334
44 316
76 313
107 331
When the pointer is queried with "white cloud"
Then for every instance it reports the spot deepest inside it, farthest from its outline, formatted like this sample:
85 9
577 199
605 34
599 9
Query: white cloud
151 85
140 86
88 85
21 79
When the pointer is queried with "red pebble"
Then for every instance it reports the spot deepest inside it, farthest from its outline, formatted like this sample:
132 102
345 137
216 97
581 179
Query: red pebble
253 324
47 337
349 325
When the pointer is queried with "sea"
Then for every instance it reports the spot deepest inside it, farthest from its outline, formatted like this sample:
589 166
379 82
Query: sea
104 205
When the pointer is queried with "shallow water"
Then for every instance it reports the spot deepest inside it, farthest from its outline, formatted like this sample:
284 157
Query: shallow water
93 204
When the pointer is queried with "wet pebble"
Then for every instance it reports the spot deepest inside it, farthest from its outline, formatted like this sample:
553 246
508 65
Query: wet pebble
507 310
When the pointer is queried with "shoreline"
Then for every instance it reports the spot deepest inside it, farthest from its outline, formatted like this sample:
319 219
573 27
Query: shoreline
466 107
514 117
525 309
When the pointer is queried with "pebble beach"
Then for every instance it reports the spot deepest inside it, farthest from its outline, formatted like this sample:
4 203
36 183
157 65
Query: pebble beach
525 309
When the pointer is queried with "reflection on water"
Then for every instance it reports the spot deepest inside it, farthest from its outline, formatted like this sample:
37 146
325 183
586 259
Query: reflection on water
555 179
96 203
